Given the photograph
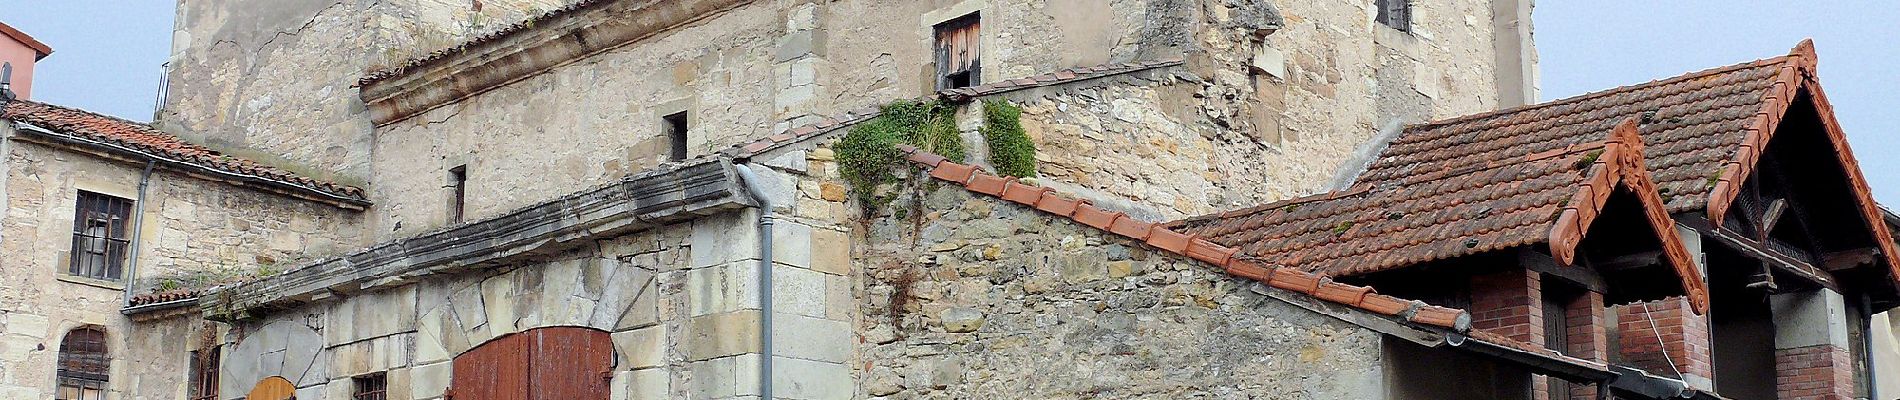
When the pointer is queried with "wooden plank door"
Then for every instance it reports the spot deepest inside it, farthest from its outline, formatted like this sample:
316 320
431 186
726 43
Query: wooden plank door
571 363
496 370
273 388
556 363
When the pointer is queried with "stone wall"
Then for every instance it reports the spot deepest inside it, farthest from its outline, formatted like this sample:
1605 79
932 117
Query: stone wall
971 297
278 76
1261 120
190 224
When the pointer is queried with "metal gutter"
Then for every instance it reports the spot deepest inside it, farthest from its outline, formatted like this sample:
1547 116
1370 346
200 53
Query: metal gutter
1538 363
305 190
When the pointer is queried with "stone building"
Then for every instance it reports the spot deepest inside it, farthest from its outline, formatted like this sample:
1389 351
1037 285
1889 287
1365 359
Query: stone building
662 199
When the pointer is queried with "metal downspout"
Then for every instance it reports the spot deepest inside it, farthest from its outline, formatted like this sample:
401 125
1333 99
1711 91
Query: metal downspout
1867 344
765 278
138 228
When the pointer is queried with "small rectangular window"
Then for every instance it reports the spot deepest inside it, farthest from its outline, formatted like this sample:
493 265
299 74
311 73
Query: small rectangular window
100 226
369 387
458 193
203 381
1396 14
676 130
959 62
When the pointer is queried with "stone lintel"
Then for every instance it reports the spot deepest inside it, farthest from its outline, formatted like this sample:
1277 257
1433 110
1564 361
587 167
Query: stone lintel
644 201
553 41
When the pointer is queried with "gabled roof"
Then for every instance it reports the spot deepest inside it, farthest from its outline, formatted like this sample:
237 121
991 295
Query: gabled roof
1547 198
40 50
1704 132
1413 313
77 127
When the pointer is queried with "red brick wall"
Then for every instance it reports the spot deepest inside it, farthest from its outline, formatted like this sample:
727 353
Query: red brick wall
1587 336
1813 372
1509 303
1684 338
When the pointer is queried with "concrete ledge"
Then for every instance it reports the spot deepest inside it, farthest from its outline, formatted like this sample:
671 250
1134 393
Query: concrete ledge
639 202
552 41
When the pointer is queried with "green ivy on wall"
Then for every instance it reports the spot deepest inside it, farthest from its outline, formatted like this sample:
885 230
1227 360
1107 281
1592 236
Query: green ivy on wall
1011 151
867 156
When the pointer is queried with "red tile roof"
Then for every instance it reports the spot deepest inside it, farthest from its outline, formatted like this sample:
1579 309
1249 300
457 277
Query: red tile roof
1547 198
1704 131
87 128
41 50
1178 243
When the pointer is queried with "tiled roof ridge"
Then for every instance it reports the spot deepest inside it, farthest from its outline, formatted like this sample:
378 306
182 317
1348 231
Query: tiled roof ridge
40 49
393 71
1081 211
1792 79
1600 93
963 94
1621 164
90 128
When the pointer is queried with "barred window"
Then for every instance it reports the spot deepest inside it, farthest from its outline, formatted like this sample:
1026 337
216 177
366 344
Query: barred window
204 374
1396 14
958 60
369 387
83 365
100 226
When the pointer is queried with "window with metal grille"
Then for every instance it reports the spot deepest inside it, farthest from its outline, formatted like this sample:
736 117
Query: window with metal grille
204 374
1395 13
99 236
83 365
959 63
369 387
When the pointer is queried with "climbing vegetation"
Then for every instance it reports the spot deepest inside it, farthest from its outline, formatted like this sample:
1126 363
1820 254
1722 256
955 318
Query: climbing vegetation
1011 151
868 156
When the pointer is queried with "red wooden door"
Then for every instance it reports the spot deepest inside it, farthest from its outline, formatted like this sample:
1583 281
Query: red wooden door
540 364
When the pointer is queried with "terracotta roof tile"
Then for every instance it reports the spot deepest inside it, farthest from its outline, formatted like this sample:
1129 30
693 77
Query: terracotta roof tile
1185 244
1539 198
91 127
498 34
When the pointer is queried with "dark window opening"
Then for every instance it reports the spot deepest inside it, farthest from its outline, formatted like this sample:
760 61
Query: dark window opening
1396 14
83 365
369 387
676 130
99 236
1557 327
203 382
458 193
959 61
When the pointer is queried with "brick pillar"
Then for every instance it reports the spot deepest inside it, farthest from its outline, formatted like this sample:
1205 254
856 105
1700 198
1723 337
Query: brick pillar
1511 303
1587 335
1656 334
1811 360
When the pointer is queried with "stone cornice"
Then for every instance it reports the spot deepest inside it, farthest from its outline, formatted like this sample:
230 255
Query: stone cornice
651 199
529 49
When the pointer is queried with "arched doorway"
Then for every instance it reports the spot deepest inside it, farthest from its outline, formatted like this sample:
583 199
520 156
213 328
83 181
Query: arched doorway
273 388
537 364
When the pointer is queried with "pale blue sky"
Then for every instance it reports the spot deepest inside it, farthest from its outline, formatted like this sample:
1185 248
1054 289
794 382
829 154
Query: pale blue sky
107 54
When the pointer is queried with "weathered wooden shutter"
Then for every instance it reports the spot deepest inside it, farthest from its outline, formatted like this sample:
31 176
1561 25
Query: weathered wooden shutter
959 61
1396 14
497 370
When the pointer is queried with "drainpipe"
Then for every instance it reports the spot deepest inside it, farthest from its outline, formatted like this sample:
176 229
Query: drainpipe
765 277
138 228
1867 344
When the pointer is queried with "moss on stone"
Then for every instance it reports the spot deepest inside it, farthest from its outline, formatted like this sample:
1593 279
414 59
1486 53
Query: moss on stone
1011 151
